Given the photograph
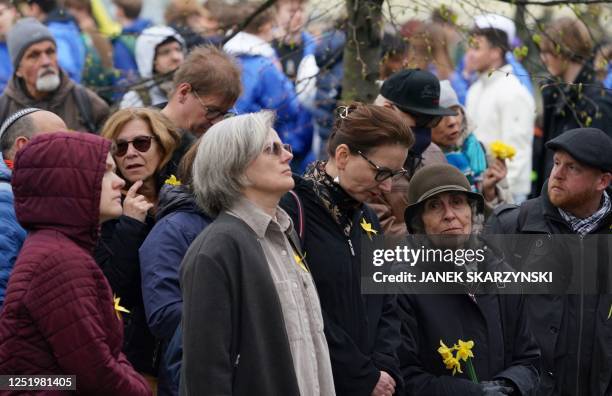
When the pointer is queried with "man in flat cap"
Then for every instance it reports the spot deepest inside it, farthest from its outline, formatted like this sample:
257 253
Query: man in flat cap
39 82
570 227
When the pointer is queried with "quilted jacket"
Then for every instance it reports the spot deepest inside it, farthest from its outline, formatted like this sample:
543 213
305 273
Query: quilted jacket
58 315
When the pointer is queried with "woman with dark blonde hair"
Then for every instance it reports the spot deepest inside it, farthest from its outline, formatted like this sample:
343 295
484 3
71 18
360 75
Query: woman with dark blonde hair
367 149
143 142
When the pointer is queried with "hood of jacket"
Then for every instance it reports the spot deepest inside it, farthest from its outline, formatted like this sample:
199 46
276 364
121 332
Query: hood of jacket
146 44
175 199
248 44
17 91
57 184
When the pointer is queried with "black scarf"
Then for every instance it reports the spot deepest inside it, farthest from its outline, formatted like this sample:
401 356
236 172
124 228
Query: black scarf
338 203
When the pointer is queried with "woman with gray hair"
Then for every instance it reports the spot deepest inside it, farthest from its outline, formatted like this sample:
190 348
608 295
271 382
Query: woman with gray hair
443 215
249 301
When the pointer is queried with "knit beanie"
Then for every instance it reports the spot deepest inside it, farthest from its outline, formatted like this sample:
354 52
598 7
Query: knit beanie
26 32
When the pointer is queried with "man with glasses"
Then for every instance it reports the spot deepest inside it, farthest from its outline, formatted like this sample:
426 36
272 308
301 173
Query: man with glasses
415 95
206 86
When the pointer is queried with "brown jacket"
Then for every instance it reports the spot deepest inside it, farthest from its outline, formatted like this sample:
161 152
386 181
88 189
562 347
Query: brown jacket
61 102
390 206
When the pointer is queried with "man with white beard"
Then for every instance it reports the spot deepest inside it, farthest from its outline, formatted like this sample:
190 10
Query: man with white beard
39 82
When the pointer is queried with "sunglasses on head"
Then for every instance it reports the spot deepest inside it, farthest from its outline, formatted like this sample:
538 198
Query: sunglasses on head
140 143
276 148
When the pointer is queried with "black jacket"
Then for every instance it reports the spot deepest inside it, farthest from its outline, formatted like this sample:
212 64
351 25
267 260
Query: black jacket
504 347
234 337
572 330
117 256
362 331
583 104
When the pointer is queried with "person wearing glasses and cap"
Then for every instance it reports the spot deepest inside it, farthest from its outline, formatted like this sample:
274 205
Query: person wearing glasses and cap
15 133
143 144
252 322
414 95
367 150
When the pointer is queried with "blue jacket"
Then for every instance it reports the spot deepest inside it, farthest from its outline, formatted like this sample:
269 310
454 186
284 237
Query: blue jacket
70 45
607 82
179 222
12 234
265 86
6 67
123 50
329 54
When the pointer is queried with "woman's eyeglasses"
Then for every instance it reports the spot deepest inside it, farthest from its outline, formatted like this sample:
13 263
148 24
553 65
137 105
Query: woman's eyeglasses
140 143
383 173
276 148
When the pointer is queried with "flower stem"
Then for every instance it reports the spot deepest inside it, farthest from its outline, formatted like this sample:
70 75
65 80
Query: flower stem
471 371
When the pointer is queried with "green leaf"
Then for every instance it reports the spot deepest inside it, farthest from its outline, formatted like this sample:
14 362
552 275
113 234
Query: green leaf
537 39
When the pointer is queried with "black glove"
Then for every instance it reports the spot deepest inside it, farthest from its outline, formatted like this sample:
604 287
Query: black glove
496 388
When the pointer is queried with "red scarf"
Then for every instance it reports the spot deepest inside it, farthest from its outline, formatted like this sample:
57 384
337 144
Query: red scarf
9 163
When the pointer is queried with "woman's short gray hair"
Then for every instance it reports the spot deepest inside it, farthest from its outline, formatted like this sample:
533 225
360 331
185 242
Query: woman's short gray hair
224 153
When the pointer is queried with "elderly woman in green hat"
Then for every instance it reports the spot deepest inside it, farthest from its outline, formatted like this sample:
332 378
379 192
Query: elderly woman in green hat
490 329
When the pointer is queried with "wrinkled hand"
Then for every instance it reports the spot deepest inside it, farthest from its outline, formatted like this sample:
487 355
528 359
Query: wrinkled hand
385 385
135 205
493 175
496 388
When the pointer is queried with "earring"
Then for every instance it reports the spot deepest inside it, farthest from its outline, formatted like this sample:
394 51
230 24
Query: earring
337 179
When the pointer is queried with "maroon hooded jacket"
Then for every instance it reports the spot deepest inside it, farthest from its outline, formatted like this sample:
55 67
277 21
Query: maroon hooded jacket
59 316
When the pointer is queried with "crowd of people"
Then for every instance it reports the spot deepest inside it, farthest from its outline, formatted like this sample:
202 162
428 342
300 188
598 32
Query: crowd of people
186 208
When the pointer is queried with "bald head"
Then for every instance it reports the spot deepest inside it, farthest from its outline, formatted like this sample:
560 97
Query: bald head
25 128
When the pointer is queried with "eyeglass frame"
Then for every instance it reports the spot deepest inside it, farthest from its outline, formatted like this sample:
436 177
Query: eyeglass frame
381 170
115 145
283 146
222 114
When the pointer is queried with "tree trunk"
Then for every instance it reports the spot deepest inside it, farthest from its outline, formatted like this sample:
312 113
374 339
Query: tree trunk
362 51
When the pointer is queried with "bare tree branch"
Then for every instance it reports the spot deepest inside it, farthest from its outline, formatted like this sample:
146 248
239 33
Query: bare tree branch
552 2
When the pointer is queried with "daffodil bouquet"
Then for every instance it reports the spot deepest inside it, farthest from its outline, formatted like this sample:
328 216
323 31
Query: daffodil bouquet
452 361
502 150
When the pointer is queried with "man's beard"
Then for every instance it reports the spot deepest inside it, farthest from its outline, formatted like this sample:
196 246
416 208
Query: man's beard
569 202
47 82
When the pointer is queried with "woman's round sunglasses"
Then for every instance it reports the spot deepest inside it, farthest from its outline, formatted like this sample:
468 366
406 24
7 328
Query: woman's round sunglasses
140 143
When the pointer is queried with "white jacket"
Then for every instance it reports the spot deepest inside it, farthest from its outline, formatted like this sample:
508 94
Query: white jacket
503 109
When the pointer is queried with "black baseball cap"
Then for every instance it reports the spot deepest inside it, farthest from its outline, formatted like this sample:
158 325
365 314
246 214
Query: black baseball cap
415 91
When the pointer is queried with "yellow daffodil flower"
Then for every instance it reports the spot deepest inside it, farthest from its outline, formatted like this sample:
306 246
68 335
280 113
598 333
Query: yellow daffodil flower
464 350
367 227
502 150
445 351
173 181
453 364
119 308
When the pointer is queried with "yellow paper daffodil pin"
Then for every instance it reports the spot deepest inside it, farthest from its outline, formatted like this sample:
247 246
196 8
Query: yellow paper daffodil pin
119 308
173 181
367 227
300 260
502 150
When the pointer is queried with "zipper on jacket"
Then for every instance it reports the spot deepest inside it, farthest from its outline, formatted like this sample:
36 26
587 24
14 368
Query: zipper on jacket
351 247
